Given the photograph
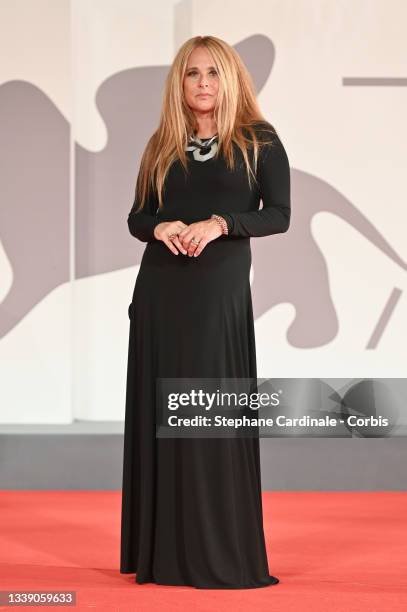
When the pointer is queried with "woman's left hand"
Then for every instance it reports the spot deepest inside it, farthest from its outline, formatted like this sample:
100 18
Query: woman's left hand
202 232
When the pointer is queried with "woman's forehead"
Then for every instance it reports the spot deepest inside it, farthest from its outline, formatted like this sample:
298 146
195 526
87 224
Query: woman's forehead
200 57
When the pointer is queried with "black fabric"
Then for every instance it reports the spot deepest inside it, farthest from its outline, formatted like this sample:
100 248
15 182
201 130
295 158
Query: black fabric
192 508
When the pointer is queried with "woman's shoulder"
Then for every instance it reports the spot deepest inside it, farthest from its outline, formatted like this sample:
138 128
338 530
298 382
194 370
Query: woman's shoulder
265 132
271 148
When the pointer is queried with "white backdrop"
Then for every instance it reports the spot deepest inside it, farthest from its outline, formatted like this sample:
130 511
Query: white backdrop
66 357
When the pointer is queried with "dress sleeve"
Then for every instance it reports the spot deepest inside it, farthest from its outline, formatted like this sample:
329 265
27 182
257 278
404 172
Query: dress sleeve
273 175
142 223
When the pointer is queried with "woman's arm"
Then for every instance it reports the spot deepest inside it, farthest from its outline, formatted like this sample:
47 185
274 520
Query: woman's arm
273 176
142 223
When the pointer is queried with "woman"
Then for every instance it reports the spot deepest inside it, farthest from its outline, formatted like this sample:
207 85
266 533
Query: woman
191 507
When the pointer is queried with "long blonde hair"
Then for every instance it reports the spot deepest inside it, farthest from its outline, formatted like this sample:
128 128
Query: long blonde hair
236 110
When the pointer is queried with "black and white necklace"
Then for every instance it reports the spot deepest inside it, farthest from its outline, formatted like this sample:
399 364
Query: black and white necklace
202 148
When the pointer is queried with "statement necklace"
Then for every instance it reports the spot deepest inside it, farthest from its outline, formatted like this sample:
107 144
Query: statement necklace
202 148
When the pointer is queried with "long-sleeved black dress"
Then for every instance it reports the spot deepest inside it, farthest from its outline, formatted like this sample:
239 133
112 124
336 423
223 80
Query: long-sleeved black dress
191 507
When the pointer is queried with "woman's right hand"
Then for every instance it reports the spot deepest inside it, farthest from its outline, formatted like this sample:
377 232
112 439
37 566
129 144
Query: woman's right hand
165 229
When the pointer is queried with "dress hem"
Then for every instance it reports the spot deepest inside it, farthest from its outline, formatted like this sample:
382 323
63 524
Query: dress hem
272 581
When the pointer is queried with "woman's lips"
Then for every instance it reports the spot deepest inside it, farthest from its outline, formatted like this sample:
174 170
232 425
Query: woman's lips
203 95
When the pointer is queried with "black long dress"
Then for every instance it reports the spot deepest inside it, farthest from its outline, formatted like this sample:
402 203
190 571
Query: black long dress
191 507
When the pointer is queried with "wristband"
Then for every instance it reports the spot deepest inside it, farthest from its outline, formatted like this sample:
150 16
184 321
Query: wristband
222 223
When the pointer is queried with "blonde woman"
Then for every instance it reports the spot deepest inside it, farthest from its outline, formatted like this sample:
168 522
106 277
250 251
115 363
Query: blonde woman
191 507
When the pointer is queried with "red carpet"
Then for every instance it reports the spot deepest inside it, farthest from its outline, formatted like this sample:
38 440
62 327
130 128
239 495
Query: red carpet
332 552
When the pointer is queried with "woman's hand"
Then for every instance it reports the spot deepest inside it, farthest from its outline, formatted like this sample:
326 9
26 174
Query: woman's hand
165 229
201 232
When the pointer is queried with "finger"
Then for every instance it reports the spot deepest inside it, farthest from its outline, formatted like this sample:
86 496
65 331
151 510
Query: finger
175 230
179 245
188 245
185 237
170 245
187 230
201 247
181 228
192 248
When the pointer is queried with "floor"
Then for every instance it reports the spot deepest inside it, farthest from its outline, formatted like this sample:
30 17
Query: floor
332 551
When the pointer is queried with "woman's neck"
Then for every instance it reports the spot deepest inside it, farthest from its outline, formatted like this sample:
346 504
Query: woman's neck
205 137
206 129
203 134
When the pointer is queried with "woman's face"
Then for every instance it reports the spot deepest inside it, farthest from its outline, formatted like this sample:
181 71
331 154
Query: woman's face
201 77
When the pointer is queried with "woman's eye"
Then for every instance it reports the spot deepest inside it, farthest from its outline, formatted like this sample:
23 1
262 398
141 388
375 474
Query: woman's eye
195 72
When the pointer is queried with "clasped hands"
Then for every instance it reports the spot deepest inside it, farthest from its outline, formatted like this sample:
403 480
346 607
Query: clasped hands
187 239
